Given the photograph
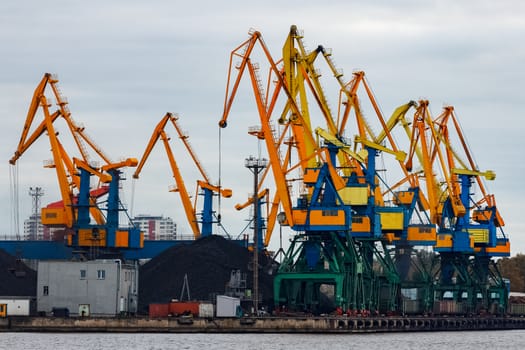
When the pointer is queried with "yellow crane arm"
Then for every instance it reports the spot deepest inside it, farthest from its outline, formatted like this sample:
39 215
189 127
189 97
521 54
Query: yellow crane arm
400 155
398 116
488 174
336 142
298 69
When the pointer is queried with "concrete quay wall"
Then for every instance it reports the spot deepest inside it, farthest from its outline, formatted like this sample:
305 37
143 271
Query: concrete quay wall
259 325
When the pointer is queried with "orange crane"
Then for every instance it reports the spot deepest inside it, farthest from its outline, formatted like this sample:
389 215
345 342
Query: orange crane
462 174
469 234
78 206
265 104
208 189
63 163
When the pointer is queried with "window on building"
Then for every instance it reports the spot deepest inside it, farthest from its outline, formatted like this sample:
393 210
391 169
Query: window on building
82 274
101 274
46 290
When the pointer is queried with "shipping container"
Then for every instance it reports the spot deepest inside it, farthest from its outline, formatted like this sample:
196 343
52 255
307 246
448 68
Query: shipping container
159 310
178 308
227 306
206 310
17 307
517 309
448 307
411 306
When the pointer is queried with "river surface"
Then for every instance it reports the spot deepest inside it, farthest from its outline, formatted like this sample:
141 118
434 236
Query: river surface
479 340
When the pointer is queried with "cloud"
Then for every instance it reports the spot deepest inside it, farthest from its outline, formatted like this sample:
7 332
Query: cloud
123 65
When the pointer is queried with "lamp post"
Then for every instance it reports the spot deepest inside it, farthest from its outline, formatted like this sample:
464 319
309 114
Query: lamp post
255 165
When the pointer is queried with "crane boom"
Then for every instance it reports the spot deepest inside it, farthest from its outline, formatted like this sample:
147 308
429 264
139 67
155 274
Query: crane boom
160 134
205 185
78 206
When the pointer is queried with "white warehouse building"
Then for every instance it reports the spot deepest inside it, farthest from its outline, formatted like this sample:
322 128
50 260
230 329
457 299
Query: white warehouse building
85 288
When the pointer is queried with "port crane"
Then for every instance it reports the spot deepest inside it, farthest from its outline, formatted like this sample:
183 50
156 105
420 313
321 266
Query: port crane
349 100
330 245
397 224
266 101
204 187
88 226
469 231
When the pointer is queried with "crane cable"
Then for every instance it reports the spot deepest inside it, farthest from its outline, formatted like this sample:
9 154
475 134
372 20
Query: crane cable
132 201
220 188
13 197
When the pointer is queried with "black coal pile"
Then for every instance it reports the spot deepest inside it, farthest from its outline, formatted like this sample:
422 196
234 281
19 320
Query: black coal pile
16 279
207 263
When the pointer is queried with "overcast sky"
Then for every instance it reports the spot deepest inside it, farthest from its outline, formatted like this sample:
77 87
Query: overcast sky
124 64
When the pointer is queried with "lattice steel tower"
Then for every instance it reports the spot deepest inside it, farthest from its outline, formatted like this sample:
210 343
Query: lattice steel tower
35 193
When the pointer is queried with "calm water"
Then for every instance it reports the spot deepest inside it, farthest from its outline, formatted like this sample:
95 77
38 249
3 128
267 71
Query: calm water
432 340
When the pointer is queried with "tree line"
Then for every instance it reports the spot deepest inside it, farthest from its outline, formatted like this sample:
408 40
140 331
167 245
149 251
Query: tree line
514 269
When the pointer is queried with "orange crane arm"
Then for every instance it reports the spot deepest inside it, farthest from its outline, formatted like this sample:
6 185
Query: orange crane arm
419 141
26 143
128 162
65 189
248 46
452 156
159 133
300 127
249 202
181 187
36 102
39 101
81 164
225 192
184 138
63 159
453 188
72 166
151 144
33 107
77 131
273 154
